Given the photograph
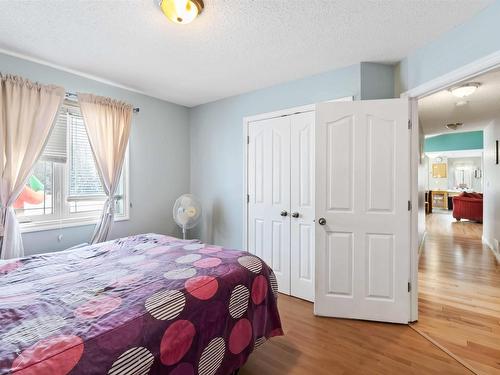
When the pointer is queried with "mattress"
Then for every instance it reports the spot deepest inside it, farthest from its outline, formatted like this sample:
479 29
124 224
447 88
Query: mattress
145 304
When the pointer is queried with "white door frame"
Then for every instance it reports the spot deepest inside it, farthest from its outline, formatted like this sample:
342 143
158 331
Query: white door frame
466 72
265 116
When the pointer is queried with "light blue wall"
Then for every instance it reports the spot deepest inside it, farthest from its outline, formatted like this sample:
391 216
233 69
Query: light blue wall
217 145
376 81
216 130
159 158
476 38
168 140
455 142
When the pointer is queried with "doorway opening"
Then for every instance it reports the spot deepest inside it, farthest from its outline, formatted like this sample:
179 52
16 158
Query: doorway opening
459 181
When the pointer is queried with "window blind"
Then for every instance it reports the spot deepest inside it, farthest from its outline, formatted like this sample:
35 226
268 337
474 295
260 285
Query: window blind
84 180
55 149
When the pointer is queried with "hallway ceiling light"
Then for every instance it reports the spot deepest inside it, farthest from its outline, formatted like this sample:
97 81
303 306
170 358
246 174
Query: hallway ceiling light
454 126
465 90
181 11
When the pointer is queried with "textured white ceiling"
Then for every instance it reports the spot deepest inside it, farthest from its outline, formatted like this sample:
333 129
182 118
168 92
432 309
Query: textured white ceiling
439 109
234 47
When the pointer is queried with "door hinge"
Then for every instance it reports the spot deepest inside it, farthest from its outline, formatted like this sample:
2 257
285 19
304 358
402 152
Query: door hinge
409 124
248 139
248 198
409 287
409 205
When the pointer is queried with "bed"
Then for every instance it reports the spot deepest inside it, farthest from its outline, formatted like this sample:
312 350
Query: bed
145 304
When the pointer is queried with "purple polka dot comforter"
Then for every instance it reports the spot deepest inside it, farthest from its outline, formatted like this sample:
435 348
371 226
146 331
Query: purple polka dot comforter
146 304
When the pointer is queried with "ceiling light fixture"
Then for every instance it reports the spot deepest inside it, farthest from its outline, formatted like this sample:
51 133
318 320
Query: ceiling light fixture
461 103
465 90
454 126
181 11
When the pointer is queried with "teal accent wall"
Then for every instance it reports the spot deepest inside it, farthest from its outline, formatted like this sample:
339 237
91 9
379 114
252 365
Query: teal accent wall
455 142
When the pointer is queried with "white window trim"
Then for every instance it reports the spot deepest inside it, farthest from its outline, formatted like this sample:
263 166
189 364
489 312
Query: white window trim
40 226
83 219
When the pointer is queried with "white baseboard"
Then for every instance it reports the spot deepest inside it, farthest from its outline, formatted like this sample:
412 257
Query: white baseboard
491 247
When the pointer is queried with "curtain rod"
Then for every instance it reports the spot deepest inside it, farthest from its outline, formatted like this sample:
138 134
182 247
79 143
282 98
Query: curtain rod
72 96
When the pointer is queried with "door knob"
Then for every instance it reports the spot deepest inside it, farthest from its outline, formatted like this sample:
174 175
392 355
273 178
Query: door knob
283 213
295 214
322 221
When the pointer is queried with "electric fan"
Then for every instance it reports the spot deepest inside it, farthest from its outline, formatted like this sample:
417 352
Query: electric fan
187 212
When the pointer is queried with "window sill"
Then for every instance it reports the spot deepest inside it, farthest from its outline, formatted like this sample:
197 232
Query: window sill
40 226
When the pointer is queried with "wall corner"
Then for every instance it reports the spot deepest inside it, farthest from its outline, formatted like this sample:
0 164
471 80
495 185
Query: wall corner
377 81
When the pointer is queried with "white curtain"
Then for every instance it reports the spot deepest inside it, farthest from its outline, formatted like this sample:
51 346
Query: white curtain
27 113
108 127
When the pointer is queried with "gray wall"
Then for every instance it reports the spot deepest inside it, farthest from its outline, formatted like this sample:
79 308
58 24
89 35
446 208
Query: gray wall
159 158
491 206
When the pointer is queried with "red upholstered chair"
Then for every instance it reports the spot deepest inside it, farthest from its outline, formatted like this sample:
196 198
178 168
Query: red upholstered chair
468 206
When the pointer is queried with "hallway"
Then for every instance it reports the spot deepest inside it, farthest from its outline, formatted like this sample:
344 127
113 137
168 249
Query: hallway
459 293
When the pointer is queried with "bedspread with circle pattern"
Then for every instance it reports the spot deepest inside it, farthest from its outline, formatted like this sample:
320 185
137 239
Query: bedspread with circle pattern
145 304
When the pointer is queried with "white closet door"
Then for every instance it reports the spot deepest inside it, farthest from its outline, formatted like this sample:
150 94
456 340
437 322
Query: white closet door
302 205
269 195
363 222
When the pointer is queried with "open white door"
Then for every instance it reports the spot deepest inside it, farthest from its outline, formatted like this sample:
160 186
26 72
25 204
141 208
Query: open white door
362 210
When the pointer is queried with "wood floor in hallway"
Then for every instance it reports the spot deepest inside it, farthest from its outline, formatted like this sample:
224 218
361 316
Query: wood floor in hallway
459 292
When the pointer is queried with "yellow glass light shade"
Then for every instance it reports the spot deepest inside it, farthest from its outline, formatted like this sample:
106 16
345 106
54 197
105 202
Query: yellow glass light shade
181 11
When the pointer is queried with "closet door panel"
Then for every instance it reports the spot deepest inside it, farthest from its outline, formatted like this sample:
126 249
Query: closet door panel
269 195
302 205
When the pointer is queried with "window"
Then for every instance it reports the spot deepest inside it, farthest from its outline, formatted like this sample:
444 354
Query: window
65 187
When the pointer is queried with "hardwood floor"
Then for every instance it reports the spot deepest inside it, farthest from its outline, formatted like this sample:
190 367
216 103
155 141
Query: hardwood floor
459 308
317 346
459 292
